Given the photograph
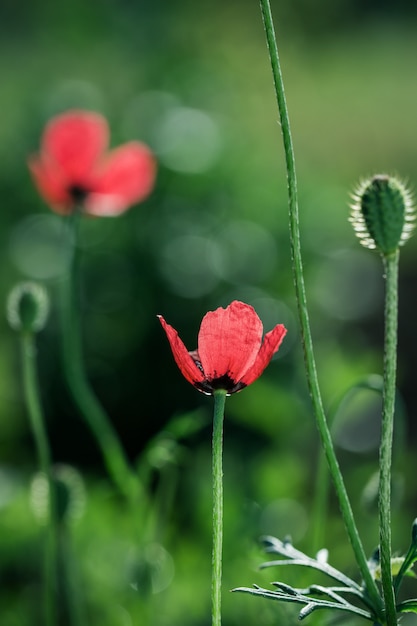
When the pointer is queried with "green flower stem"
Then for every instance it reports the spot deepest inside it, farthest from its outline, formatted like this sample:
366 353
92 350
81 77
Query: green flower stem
312 378
32 398
320 503
219 403
72 601
385 453
99 423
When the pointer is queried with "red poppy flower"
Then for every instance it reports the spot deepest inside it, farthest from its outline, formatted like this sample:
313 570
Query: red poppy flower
230 353
73 168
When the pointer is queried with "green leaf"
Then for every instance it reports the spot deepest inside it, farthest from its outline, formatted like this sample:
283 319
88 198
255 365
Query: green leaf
298 596
408 606
296 557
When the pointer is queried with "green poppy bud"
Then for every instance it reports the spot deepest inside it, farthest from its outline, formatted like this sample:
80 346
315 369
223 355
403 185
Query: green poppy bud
382 213
27 307
69 492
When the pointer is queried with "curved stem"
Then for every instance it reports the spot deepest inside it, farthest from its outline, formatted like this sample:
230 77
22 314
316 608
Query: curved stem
311 372
219 403
385 455
99 423
32 398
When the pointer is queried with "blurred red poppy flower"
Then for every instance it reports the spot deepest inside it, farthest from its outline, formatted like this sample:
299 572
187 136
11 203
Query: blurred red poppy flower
74 170
230 353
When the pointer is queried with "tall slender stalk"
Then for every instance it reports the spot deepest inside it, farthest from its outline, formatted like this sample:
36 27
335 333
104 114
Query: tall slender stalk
219 403
32 397
99 423
311 371
320 507
385 456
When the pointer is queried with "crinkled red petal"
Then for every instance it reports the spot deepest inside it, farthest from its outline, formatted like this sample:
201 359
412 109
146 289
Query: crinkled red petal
127 176
75 142
270 345
229 341
182 357
50 185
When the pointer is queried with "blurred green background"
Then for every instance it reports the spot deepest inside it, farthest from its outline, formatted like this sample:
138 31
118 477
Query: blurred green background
193 81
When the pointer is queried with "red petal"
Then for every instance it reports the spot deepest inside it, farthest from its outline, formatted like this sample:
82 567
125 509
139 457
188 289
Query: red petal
229 341
182 357
75 141
50 185
126 177
271 343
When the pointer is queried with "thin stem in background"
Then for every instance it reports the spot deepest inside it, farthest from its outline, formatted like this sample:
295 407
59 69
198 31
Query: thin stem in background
32 398
73 590
385 455
101 426
311 371
219 403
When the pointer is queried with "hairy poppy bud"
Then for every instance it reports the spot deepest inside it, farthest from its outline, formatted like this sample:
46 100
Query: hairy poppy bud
27 307
69 493
382 213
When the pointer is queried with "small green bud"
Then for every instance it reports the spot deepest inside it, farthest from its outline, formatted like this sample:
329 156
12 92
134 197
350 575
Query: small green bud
396 564
69 492
382 213
27 307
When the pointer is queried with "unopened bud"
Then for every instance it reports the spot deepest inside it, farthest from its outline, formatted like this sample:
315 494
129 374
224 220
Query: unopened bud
396 564
28 307
69 494
382 213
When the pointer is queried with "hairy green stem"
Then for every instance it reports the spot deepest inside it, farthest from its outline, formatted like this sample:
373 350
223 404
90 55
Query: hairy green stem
385 455
217 459
99 423
320 503
311 372
32 398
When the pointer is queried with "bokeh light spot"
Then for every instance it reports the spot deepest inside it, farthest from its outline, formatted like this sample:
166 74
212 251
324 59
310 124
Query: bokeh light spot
144 114
187 263
40 247
247 253
73 94
348 284
284 517
357 425
187 140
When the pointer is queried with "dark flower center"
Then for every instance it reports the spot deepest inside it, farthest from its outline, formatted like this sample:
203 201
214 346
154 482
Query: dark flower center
223 382
78 194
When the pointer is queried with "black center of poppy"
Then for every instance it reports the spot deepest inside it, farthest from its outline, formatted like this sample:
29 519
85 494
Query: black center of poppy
78 194
222 382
